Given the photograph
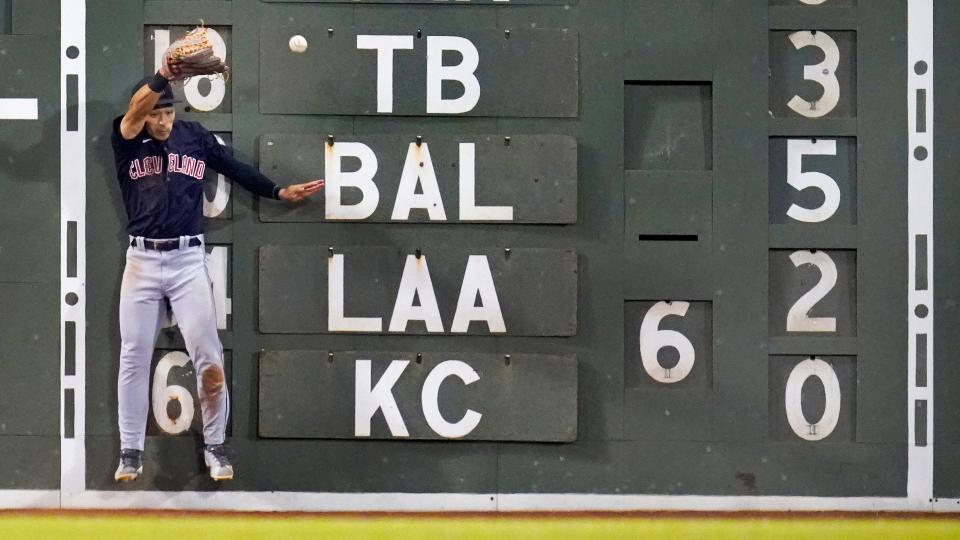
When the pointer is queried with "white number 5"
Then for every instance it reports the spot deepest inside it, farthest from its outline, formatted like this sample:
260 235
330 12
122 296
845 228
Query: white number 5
824 74
652 339
796 149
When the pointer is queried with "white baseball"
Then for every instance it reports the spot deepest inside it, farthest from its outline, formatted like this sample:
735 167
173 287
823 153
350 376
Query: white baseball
298 43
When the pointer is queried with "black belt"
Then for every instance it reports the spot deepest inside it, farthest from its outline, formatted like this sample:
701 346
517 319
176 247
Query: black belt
166 245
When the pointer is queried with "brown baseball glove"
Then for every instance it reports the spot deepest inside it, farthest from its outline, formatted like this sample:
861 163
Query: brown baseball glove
191 55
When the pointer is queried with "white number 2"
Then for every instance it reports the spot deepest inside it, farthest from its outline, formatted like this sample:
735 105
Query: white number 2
824 73
796 149
163 394
798 319
652 339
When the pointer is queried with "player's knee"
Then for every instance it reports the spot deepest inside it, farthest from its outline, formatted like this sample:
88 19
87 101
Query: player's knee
212 380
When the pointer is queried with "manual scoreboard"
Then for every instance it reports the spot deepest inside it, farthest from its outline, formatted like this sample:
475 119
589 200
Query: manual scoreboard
594 247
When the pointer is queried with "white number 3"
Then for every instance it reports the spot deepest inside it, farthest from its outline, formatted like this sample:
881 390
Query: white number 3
824 74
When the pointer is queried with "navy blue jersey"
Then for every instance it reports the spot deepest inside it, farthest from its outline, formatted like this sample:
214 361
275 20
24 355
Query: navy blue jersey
162 181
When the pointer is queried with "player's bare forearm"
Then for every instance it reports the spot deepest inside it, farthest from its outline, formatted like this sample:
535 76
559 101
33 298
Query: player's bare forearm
141 103
298 192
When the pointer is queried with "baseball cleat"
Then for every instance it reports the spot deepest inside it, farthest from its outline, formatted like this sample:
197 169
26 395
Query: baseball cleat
215 456
130 465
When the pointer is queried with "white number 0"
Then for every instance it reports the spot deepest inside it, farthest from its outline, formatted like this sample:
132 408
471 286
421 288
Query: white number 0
219 203
824 74
652 339
796 149
163 394
813 431
797 318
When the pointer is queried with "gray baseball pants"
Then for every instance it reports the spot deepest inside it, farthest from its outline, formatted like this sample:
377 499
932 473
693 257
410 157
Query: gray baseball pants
181 276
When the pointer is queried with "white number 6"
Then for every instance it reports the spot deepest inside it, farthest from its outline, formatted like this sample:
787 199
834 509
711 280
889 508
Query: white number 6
163 394
796 149
824 74
652 339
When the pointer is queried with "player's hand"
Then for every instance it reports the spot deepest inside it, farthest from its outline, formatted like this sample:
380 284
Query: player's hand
298 192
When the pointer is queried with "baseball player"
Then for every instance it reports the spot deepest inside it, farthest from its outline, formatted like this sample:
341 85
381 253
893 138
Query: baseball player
160 165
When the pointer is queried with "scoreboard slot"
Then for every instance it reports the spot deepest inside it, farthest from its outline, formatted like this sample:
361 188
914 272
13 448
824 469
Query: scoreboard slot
668 126
669 370
668 237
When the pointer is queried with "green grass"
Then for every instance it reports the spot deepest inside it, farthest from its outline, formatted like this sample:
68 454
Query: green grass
103 526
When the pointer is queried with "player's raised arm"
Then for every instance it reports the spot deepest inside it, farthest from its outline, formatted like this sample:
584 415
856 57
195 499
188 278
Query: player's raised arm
188 56
141 103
